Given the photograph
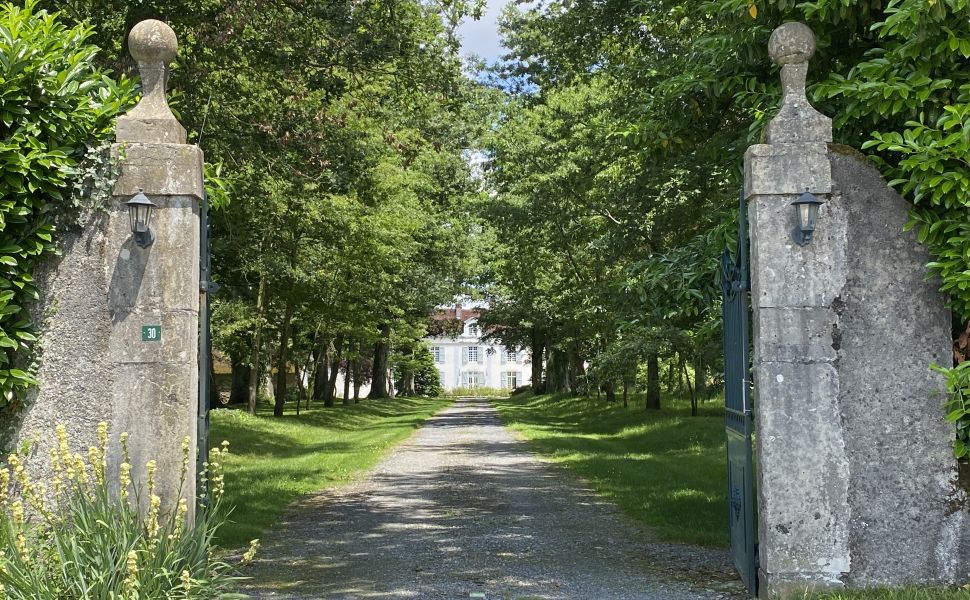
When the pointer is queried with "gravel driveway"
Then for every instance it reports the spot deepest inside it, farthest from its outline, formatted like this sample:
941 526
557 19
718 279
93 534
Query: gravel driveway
463 509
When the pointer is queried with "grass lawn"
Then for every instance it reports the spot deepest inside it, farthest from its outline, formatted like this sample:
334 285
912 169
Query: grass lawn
664 468
272 462
903 594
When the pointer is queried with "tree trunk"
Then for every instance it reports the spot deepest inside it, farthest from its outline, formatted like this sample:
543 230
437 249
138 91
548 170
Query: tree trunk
322 375
358 366
653 381
257 343
348 371
680 376
333 354
283 359
301 385
576 372
557 371
610 391
378 386
700 375
347 399
690 388
239 390
626 389
537 347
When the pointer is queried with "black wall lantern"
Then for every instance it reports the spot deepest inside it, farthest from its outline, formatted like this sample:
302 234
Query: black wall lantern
806 211
140 215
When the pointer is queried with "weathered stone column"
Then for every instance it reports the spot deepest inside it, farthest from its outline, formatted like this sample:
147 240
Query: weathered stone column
153 297
120 322
856 482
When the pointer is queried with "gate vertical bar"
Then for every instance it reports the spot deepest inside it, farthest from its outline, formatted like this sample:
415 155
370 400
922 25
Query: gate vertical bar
205 347
738 414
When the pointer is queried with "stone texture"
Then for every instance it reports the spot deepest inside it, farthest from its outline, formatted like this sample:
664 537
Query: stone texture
786 169
792 45
154 45
908 514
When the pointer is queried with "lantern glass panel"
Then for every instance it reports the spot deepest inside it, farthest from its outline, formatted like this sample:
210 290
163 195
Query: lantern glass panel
140 214
805 220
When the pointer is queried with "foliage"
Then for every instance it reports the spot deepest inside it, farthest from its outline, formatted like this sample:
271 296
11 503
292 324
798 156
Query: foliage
427 379
617 157
958 405
55 107
289 457
88 539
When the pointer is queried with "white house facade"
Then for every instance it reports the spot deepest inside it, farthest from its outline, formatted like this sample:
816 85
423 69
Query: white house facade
465 361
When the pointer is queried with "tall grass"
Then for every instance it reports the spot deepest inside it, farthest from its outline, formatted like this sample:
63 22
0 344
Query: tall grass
85 538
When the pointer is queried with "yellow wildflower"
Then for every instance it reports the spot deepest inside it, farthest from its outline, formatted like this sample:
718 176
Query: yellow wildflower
123 438
251 553
132 564
21 543
124 477
17 512
61 433
154 505
150 469
4 485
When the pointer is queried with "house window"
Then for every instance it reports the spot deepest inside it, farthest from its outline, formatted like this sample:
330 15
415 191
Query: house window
511 356
511 380
474 379
473 329
438 355
472 354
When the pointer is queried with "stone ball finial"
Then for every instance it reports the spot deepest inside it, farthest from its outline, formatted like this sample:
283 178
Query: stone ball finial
792 43
152 41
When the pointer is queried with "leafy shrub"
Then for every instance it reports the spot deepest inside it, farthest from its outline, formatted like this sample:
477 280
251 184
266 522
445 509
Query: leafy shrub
85 537
427 379
958 405
54 104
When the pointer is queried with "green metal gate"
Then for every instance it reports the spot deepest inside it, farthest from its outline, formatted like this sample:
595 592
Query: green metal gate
737 399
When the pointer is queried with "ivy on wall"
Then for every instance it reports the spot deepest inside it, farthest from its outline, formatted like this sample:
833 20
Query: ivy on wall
56 107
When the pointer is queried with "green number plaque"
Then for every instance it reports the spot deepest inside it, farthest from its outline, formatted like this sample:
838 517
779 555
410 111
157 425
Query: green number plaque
151 333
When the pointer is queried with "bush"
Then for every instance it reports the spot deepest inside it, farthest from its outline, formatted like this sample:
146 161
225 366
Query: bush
55 104
427 379
79 539
478 392
958 406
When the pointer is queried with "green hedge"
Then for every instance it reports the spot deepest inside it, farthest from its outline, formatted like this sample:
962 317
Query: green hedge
56 107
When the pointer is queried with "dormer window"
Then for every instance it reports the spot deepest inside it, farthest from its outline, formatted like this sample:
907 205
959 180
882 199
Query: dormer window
473 329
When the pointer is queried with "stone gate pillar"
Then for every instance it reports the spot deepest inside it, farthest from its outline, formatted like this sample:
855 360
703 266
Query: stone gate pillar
856 479
119 333
153 296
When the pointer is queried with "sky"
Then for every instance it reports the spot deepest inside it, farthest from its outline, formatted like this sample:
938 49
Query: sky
481 37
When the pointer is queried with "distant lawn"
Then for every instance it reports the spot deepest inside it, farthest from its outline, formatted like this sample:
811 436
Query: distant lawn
904 594
274 461
664 468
